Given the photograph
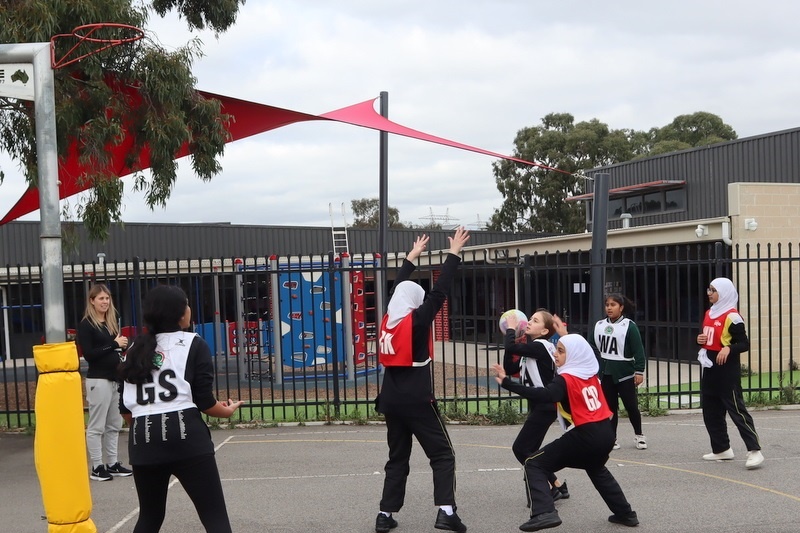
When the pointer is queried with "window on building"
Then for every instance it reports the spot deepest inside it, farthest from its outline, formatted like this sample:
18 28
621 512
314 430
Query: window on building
616 206
634 205
675 200
651 203
654 202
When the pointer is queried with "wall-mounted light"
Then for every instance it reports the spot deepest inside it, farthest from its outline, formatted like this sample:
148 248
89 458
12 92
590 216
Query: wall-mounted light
626 220
101 258
701 231
750 224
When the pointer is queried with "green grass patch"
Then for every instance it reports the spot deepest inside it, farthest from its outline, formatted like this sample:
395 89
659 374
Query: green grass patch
760 390
14 422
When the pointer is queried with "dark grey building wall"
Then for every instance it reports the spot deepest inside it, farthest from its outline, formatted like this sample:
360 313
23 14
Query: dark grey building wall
770 158
19 241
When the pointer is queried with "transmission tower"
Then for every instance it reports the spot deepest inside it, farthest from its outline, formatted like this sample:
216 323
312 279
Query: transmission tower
479 224
443 220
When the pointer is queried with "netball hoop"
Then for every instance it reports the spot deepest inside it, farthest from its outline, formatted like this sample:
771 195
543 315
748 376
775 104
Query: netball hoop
92 39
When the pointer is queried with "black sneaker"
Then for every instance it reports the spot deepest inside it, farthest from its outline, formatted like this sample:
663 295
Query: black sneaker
629 519
117 470
560 493
450 523
100 474
542 521
384 523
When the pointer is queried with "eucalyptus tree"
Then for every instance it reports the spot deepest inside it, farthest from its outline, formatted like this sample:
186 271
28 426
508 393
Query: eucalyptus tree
141 97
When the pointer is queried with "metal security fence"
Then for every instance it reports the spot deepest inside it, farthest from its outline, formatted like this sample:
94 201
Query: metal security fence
295 337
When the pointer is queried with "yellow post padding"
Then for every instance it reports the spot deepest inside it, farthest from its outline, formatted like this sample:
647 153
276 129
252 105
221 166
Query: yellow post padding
60 445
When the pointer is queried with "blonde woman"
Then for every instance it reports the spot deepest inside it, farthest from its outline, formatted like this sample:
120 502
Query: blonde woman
101 343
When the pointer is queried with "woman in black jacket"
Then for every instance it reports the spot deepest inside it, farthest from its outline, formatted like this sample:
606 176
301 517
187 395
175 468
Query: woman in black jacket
101 344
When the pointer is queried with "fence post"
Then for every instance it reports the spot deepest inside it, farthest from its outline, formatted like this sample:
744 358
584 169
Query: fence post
719 263
526 282
137 296
334 337
241 344
347 316
277 330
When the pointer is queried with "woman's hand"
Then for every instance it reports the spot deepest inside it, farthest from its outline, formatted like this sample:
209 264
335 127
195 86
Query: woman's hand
231 406
122 341
458 240
559 326
420 244
512 321
723 354
702 339
223 409
500 373
638 379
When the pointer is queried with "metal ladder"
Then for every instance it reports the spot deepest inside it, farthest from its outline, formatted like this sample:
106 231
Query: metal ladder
339 233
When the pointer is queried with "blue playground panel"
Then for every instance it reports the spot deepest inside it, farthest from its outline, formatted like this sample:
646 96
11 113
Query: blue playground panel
309 316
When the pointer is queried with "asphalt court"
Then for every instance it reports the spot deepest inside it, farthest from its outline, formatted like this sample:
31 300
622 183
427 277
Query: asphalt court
329 478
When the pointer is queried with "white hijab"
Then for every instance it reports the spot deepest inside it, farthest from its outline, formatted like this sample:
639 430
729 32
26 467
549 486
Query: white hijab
581 361
728 297
407 297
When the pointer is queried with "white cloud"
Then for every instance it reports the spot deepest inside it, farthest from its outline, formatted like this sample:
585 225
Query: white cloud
474 72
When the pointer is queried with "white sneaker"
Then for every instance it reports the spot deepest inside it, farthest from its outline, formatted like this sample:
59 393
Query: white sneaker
616 445
754 459
721 456
641 442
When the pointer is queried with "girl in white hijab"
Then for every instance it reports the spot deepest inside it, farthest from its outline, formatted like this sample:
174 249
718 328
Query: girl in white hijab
586 446
406 398
722 340
407 297
582 362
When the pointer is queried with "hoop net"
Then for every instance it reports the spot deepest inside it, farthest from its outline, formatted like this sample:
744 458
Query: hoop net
93 39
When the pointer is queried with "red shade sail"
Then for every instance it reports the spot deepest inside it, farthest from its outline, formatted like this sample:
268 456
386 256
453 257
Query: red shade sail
249 118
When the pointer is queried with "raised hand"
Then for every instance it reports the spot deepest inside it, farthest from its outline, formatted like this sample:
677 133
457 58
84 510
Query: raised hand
420 244
458 240
559 326
512 321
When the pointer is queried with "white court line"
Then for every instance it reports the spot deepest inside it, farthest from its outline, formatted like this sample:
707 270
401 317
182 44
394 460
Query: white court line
135 512
364 474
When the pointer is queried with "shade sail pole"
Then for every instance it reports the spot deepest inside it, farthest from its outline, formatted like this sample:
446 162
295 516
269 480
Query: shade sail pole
383 177
597 280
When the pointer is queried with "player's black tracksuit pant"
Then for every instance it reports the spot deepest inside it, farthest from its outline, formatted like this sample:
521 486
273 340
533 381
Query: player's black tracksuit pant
586 447
429 429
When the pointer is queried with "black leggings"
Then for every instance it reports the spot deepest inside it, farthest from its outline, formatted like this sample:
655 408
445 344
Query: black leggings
199 477
625 391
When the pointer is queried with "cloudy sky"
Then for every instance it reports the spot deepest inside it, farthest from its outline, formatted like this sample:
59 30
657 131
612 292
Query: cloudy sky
472 71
